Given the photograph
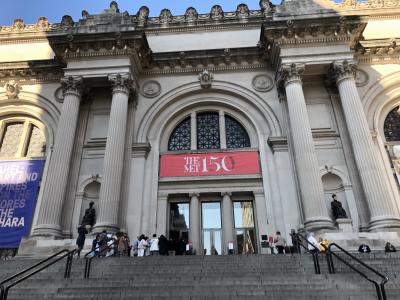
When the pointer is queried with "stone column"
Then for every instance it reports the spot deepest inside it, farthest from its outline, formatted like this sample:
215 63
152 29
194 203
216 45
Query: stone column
227 221
193 131
194 220
372 173
114 155
162 206
312 193
49 219
222 129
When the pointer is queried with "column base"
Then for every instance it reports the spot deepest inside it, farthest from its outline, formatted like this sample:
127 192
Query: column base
48 230
314 224
109 227
345 225
384 223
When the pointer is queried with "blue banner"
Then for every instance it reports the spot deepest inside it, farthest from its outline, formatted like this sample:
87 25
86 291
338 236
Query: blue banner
19 183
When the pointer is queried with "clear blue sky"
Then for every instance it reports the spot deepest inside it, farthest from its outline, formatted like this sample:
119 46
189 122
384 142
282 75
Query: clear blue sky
30 10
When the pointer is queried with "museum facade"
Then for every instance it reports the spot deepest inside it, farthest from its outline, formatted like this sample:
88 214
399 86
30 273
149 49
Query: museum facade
219 128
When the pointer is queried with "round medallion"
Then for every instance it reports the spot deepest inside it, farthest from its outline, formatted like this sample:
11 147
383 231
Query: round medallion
151 89
362 78
262 83
59 95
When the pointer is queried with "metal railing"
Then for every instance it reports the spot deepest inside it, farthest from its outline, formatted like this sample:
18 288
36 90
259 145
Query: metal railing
315 254
380 288
44 264
95 253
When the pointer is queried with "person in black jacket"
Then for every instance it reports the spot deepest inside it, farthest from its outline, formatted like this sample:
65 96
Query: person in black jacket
162 245
364 248
80 241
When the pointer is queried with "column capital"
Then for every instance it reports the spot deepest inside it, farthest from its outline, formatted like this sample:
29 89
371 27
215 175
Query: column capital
289 73
72 85
121 83
191 195
343 70
223 194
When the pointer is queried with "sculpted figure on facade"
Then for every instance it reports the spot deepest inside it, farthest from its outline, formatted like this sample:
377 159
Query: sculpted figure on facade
205 79
42 24
143 14
67 21
18 24
337 208
85 14
89 217
165 16
216 12
12 89
191 14
265 6
114 6
242 11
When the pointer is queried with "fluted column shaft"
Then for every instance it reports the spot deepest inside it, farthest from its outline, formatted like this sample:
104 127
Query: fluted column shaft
49 219
312 194
227 221
194 222
372 174
114 155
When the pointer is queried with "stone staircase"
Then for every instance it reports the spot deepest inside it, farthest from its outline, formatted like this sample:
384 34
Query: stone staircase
200 277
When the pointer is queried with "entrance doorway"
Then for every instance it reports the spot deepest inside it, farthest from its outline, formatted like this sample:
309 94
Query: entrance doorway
178 227
244 227
211 224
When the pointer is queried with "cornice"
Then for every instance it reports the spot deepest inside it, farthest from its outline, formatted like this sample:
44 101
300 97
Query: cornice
30 72
215 60
378 51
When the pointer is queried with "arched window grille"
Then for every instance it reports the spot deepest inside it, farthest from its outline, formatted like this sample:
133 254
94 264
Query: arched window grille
21 139
180 137
236 135
392 126
208 130
208 133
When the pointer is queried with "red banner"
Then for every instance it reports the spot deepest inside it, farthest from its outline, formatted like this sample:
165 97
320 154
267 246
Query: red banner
205 164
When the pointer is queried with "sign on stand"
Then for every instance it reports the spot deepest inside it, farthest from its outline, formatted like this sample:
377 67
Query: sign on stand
19 183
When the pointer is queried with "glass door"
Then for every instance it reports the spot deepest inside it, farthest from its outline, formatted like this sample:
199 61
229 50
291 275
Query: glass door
244 227
211 223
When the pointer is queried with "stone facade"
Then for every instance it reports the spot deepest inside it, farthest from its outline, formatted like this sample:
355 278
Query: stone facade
307 85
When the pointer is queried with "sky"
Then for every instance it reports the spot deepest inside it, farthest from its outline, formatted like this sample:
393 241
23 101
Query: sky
53 10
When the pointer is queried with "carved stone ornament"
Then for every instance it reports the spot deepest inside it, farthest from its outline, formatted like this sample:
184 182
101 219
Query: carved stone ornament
242 11
344 69
121 83
165 16
265 6
262 83
85 14
18 24
67 21
291 72
114 7
143 14
12 89
191 14
151 89
206 78
216 12
72 85
362 78
59 95
42 24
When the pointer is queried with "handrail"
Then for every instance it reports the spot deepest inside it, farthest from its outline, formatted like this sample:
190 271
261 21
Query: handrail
4 290
380 288
89 259
314 255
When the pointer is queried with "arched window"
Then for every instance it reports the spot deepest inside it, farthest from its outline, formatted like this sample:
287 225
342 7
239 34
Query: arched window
236 135
21 139
391 130
180 137
392 126
208 133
